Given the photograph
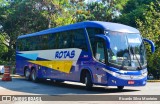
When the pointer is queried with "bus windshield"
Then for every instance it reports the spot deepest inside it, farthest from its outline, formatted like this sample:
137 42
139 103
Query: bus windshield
127 51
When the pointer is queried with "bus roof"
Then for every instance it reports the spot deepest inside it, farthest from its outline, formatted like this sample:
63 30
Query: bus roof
99 24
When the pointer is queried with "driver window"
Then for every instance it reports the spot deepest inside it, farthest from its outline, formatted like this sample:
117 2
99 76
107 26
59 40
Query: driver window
100 53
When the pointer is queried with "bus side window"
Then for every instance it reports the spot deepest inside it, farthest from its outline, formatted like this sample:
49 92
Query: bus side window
92 31
23 45
100 53
50 41
33 43
60 40
19 45
79 39
27 44
55 38
37 42
67 39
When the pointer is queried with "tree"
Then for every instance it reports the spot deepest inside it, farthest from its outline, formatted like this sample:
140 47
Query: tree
150 28
104 10
3 48
133 10
57 12
17 18
26 16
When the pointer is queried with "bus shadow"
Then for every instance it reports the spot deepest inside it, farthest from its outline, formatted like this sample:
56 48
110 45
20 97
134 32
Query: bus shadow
95 89
54 88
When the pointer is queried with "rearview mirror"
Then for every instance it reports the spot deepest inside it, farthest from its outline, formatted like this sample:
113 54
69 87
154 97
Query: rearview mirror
106 38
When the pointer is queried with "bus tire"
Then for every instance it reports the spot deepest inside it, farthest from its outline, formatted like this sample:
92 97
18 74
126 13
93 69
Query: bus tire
34 76
88 81
27 74
120 88
58 81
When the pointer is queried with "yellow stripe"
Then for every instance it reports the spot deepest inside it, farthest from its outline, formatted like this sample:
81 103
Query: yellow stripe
63 66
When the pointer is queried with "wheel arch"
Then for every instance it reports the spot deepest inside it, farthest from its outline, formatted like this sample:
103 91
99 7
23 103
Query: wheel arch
30 69
33 67
83 73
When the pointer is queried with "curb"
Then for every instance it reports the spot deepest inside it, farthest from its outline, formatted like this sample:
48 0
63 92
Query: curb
16 76
13 76
153 80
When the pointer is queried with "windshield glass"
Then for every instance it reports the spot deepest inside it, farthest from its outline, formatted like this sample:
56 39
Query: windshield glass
127 51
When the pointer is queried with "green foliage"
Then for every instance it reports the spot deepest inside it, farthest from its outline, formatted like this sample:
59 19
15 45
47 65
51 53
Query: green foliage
106 10
150 28
26 16
3 3
3 48
55 11
133 10
18 18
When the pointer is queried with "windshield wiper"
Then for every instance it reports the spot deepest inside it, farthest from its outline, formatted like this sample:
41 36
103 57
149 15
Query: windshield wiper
133 51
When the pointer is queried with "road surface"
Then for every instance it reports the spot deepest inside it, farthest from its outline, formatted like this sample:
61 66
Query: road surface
19 86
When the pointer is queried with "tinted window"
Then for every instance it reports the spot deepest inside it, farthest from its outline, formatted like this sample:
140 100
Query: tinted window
79 39
52 44
100 53
67 39
72 39
91 33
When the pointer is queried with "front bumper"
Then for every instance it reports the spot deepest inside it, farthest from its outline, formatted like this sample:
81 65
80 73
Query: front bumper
113 81
126 78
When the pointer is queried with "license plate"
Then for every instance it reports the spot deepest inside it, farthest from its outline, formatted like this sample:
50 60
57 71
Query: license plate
130 82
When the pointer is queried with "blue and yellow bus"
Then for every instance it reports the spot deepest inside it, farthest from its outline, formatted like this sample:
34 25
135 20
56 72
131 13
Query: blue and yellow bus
91 52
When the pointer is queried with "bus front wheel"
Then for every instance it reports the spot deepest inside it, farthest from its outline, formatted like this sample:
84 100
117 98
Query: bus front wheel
120 88
88 81
34 75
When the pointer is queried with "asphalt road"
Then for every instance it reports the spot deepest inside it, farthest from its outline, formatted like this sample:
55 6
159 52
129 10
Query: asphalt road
19 86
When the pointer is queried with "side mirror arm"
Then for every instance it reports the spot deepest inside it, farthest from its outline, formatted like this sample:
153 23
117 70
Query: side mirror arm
151 43
106 38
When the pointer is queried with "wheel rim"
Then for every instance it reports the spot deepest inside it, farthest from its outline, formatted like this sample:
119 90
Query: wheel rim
27 73
33 75
86 80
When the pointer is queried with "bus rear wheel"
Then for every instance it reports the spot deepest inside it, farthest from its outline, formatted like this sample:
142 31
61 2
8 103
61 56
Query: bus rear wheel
27 74
34 75
88 81
120 88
